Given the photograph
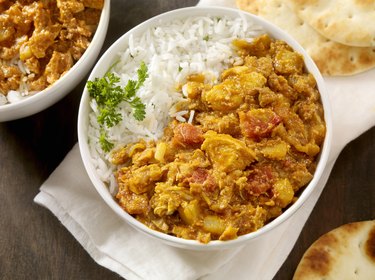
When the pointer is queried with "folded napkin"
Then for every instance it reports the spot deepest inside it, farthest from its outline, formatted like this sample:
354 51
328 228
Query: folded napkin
69 194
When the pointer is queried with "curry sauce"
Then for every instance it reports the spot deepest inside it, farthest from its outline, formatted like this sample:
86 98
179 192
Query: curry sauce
250 147
41 40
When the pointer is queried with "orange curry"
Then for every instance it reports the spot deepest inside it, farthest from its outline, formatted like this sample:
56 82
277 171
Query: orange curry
46 37
249 150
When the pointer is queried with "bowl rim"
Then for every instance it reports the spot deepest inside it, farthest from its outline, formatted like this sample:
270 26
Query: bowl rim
47 95
122 43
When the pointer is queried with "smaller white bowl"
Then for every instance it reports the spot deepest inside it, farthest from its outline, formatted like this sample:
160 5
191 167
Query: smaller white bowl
109 58
33 104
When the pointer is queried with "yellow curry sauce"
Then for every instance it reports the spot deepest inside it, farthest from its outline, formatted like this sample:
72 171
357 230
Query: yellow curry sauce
46 36
252 145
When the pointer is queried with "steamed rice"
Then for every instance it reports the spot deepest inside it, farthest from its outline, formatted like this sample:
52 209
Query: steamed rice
172 51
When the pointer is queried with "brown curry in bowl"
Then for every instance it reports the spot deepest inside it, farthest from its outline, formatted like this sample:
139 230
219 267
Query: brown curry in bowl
251 143
41 40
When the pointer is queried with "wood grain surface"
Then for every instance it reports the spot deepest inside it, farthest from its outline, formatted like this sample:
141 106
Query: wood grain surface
33 243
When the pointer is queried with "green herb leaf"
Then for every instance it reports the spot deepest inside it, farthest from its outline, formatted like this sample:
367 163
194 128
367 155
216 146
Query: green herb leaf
108 95
206 38
104 143
139 109
142 75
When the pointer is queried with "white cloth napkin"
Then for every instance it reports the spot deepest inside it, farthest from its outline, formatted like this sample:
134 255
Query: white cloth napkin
69 194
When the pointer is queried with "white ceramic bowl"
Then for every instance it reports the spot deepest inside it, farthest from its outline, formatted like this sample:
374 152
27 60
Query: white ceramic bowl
109 58
33 104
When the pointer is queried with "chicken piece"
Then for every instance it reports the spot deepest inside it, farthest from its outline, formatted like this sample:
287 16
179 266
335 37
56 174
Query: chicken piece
33 64
226 124
75 29
79 33
73 6
192 89
227 153
21 21
68 8
57 66
10 78
280 84
133 203
8 53
90 16
250 219
184 165
294 124
251 81
298 140
267 98
145 157
168 198
288 62
7 30
234 71
274 149
38 84
302 83
258 123
225 96
258 47
41 40
297 171
126 153
78 51
139 180
263 65
41 16
247 78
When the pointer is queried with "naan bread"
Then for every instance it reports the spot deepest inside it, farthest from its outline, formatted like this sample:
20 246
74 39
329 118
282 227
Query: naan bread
332 59
349 22
347 252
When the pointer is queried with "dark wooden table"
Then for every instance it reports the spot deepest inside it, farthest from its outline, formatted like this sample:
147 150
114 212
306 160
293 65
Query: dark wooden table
33 243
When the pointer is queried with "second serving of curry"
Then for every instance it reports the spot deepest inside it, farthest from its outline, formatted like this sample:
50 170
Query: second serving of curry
41 40
251 146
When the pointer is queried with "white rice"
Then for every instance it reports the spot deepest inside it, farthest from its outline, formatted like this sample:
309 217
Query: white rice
171 52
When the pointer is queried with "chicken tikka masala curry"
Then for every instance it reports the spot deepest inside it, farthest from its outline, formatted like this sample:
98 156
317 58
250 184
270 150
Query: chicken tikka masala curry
251 146
45 37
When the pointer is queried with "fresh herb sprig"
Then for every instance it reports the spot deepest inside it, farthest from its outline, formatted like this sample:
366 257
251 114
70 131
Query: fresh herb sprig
108 95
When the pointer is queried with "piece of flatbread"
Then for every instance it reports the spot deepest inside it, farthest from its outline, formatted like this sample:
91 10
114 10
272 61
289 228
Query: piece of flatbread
349 22
347 252
332 59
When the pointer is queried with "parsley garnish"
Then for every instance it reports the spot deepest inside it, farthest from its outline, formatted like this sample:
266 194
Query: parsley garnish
108 95
104 143
206 38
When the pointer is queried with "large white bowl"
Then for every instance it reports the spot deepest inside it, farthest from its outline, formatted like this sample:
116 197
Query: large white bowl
33 104
109 58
